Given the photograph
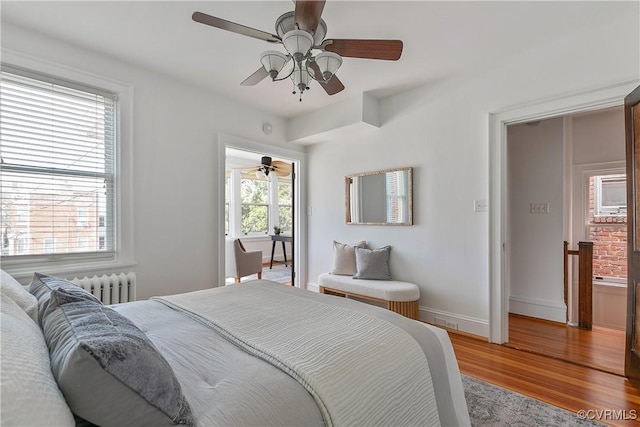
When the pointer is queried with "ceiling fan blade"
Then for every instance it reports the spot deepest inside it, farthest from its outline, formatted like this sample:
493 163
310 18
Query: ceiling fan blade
223 24
307 15
281 168
333 86
389 50
255 78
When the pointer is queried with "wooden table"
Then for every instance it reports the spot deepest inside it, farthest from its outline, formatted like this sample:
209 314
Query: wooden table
279 238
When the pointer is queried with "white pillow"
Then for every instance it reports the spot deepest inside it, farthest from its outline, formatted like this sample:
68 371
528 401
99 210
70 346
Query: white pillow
344 257
9 287
30 394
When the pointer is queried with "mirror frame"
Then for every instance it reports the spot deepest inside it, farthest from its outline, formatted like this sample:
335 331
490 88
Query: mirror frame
347 181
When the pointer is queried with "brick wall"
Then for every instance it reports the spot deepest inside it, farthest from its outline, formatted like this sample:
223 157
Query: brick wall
609 237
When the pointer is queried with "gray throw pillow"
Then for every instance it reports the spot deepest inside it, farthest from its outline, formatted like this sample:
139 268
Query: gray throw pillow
42 285
344 258
373 263
107 368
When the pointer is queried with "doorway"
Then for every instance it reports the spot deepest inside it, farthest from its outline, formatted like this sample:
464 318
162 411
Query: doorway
271 200
566 182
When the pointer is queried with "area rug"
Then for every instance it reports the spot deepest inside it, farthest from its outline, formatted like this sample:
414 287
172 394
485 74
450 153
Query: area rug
279 273
490 405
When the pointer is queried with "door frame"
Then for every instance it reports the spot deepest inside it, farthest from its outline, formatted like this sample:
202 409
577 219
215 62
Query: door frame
588 100
300 200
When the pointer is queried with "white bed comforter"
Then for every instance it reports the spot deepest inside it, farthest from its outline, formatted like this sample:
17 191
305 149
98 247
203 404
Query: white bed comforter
360 369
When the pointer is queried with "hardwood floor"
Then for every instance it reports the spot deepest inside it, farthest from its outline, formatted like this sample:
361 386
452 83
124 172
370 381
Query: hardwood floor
567 385
600 348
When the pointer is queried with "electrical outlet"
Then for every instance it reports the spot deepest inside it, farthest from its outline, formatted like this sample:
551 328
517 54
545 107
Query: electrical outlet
451 325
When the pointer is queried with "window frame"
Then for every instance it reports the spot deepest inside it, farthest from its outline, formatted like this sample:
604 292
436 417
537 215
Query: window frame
22 267
266 205
597 175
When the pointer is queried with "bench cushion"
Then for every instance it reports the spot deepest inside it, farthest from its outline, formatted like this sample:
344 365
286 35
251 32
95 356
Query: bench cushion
387 290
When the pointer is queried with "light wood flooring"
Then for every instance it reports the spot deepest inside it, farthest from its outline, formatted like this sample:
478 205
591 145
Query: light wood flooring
567 385
600 348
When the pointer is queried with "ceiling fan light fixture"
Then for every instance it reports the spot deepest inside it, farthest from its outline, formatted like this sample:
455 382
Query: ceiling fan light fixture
273 61
298 43
328 63
301 77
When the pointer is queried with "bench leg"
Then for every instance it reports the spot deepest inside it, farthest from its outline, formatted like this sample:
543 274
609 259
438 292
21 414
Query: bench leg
410 309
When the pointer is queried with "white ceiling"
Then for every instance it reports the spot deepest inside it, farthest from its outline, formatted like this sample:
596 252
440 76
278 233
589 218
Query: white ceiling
440 39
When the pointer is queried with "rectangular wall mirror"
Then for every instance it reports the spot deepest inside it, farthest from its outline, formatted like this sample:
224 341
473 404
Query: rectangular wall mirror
380 197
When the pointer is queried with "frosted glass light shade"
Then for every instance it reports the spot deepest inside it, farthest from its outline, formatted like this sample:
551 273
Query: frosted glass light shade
301 76
297 43
273 61
328 63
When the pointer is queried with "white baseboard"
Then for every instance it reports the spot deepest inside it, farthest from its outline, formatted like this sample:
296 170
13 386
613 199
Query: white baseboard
313 287
541 309
456 321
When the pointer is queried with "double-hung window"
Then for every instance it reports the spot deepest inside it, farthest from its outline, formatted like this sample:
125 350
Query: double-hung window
285 208
254 196
57 172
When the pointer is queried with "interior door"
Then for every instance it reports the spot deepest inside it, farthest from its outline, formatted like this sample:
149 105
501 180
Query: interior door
632 125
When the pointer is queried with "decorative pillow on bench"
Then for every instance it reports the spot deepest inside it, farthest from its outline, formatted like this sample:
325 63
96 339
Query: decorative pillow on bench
344 258
372 264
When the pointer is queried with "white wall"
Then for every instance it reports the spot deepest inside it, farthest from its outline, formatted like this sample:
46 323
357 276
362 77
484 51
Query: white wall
598 141
441 129
535 175
598 137
175 156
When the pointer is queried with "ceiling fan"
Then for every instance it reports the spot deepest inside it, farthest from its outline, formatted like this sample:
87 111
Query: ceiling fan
301 32
267 165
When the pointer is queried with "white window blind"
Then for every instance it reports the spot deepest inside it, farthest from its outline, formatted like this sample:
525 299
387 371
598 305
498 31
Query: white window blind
57 147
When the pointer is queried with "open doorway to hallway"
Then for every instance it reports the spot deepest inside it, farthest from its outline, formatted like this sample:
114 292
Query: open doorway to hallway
563 177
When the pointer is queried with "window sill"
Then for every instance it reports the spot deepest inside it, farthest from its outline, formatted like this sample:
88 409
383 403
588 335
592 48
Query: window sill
604 283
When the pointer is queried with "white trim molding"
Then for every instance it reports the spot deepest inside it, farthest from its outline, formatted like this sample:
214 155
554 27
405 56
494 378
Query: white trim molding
541 309
455 321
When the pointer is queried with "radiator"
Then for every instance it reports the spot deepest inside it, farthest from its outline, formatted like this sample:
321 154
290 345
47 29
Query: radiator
111 289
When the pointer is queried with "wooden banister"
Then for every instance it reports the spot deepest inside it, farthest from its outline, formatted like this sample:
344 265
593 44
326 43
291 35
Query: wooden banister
585 282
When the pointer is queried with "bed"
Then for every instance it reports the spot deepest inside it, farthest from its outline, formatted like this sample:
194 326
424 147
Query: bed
253 354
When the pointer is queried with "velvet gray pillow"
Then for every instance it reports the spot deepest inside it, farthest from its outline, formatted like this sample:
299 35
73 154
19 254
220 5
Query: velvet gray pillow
42 285
373 263
108 370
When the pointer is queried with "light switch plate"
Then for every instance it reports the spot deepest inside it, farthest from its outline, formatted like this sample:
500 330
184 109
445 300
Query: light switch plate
480 205
539 207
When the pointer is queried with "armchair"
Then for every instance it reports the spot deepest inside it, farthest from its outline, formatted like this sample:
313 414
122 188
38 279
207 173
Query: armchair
239 262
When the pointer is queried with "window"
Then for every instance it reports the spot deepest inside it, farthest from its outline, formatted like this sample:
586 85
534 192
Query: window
284 204
607 227
58 160
254 197
611 195
83 216
227 199
83 244
48 245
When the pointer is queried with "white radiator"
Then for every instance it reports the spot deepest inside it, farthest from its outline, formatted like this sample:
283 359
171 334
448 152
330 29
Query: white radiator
111 289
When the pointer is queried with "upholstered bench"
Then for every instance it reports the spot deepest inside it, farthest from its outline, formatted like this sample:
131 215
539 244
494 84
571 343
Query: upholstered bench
400 297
